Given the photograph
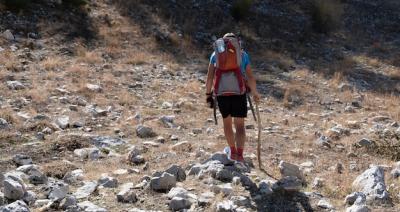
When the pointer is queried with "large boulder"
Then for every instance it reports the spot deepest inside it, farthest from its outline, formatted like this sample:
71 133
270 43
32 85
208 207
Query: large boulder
57 190
126 194
17 206
288 169
13 189
358 204
108 182
35 176
372 183
178 172
163 183
145 132
179 203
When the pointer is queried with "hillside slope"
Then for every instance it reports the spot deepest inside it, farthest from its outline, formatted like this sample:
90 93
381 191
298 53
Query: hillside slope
107 102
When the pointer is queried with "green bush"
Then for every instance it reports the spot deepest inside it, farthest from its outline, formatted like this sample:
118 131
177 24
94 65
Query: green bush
16 4
326 15
75 3
241 8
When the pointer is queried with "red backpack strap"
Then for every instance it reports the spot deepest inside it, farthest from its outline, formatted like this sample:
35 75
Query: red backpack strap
218 74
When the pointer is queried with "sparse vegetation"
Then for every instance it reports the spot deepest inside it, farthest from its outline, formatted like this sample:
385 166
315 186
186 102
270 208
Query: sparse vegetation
241 9
326 15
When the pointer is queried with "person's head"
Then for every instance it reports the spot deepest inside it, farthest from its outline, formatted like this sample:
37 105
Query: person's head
229 35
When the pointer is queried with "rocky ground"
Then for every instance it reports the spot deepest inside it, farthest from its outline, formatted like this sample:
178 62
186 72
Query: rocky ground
96 116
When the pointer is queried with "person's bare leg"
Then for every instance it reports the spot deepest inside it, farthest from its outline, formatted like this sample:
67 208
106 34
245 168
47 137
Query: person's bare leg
240 136
230 138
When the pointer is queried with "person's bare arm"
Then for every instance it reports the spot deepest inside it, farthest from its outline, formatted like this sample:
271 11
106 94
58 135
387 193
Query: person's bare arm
210 78
251 82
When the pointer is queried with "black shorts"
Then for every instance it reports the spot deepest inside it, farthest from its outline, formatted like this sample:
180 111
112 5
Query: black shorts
235 106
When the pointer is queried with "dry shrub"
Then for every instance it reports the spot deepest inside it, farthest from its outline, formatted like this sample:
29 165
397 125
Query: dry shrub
137 58
326 15
70 143
8 115
77 73
85 56
8 60
281 61
52 63
292 97
57 169
125 98
341 68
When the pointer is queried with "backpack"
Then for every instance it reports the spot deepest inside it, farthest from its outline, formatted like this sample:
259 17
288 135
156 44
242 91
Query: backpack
228 76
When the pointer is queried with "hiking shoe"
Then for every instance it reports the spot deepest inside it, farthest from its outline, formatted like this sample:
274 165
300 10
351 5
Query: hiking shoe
231 157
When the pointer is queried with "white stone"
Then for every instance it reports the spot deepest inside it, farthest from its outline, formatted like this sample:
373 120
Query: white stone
86 190
57 190
126 194
8 35
88 206
372 183
13 189
183 146
94 88
62 122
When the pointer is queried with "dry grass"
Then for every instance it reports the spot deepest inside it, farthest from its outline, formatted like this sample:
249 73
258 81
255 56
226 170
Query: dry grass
89 57
127 99
293 96
282 61
341 68
52 63
9 60
8 115
137 58
57 169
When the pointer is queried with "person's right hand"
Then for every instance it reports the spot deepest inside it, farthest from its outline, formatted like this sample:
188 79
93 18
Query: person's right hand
210 100
256 96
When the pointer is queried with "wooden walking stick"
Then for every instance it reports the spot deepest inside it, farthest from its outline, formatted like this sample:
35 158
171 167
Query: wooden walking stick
259 137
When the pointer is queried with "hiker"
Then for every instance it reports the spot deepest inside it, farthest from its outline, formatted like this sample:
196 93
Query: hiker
229 78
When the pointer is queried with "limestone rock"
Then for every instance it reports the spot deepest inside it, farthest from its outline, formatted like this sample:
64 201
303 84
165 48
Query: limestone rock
8 35
372 183
225 206
35 176
74 176
145 132
86 190
178 172
15 85
62 122
68 201
126 194
29 197
94 88
21 160
88 206
57 190
13 189
179 203
17 206
288 183
3 124
288 169
108 182
183 146
165 182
